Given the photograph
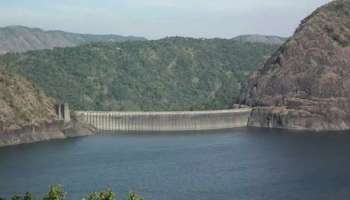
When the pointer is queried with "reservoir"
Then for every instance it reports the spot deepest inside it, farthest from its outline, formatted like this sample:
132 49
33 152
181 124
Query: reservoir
242 164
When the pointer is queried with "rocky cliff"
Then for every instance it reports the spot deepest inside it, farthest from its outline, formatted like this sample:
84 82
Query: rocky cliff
28 115
306 83
21 104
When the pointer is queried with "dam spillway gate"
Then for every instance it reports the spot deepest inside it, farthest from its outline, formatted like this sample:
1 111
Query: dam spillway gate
166 121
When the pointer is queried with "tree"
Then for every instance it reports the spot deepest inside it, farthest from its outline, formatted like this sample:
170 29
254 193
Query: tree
27 196
104 195
17 197
134 196
56 192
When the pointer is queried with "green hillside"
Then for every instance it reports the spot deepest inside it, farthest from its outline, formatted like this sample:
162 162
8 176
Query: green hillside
168 74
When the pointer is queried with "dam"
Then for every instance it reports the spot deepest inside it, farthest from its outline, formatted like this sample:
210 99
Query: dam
166 121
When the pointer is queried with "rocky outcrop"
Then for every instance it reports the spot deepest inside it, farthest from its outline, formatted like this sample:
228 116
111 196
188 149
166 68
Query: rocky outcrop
22 104
318 114
45 132
31 134
77 128
27 115
306 83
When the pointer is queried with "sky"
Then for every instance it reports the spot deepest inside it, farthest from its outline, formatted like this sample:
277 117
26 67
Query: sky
161 18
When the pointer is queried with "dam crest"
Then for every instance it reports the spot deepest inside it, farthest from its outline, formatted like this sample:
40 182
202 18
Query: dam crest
166 121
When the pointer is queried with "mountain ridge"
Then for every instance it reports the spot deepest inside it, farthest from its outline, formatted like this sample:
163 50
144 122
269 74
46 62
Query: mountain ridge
20 39
257 38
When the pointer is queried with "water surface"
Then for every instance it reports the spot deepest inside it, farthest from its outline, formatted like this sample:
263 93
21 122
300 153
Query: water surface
243 164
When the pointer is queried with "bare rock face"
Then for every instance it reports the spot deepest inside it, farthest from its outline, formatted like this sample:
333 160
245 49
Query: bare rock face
306 83
27 115
21 104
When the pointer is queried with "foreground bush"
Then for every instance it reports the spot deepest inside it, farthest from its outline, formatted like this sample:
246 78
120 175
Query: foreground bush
134 196
27 196
56 192
104 195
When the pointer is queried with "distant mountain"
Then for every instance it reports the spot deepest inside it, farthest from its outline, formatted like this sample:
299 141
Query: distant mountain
169 74
306 83
22 39
261 39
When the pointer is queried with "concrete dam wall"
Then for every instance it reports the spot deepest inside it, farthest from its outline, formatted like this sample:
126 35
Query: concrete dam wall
166 121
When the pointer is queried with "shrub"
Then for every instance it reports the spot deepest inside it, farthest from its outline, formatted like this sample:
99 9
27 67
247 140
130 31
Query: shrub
134 196
104 195
27 196
56 192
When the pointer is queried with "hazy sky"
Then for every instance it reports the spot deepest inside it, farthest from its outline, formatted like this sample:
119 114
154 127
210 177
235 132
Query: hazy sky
160 18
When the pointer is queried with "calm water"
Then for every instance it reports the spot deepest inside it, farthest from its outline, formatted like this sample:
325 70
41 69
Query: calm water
242 164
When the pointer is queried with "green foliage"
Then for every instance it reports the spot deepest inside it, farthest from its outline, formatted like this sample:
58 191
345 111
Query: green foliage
162 75
104 195
16 197
27 196
56 192
134 196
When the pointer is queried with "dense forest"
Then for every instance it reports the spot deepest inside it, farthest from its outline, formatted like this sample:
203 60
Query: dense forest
168 74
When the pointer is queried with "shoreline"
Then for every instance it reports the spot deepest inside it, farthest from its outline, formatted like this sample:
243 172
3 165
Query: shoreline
45 132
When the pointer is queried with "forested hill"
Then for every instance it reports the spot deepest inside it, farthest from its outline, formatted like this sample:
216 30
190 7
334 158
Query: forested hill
169 74
276 40
22 39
